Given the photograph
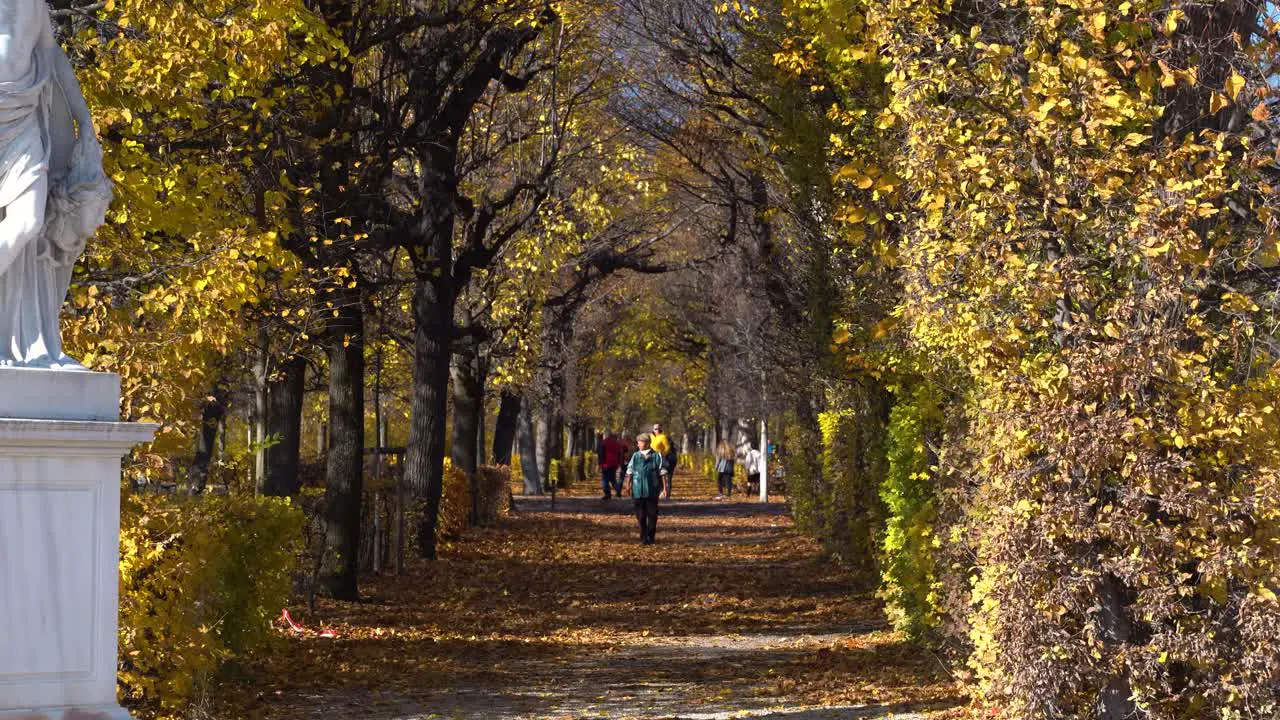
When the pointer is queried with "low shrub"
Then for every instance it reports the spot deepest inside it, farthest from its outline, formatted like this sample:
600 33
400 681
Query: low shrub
493 500
517 473
570 471
455 504
803 466
201 580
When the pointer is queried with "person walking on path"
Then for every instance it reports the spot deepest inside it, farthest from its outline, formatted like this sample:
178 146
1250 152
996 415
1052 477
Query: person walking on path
724 469
751 463
611 456
663 447
625 452
645 475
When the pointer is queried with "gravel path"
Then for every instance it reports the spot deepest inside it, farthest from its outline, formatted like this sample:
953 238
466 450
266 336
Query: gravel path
560 614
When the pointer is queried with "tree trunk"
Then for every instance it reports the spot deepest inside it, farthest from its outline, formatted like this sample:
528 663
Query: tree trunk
541 442
344 471
261 368
555 447
528 441
555 436
379 443
1116 630
222 437
211 417
424 464
467 409
504 432
482 439
284 422
581 445
467 388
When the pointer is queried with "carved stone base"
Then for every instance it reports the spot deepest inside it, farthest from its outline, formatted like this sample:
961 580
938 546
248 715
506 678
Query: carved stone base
59 558
35 394
110 712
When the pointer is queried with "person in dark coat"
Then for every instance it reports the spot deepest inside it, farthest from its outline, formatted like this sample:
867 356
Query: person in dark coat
611 458
646 475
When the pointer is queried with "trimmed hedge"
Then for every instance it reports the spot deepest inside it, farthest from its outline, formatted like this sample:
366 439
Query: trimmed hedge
201 580
908 563
834 474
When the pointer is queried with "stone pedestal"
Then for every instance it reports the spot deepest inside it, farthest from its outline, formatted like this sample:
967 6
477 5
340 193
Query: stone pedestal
60 455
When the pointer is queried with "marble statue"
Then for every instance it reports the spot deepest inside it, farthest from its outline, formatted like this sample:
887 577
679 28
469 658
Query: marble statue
53 191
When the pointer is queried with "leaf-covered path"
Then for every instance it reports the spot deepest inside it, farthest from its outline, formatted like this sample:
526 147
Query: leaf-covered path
560 613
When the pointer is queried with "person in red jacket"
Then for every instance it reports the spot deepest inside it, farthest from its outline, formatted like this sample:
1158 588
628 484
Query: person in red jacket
611 456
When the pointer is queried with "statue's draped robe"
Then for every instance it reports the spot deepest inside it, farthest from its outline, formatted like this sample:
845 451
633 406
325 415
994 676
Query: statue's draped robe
38 147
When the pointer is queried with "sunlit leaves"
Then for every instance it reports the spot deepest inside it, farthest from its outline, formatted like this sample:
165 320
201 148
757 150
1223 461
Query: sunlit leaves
1058 217
176 89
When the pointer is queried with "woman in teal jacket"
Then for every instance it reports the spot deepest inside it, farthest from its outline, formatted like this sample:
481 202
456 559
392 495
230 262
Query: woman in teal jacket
646 474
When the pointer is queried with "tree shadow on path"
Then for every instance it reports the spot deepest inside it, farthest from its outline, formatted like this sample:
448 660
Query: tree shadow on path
562 614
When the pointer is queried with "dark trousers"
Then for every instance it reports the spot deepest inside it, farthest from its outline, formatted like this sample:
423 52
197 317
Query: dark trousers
610 482
753 483
725 483
647 516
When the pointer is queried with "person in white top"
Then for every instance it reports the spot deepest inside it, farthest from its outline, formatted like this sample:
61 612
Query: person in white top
751 464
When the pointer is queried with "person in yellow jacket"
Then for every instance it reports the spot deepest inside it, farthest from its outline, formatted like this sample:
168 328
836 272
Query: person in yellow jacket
662 445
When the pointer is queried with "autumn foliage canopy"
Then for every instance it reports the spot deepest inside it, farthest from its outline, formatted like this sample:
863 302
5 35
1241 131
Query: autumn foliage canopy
1007 270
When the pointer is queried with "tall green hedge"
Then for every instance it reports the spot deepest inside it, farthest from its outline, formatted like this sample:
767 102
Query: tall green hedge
834 490
908 561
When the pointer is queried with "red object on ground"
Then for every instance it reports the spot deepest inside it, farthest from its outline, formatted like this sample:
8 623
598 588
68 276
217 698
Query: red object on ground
288 620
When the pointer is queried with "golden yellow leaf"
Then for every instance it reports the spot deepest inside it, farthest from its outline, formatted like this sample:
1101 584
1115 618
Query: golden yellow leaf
1235 84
